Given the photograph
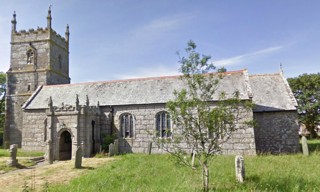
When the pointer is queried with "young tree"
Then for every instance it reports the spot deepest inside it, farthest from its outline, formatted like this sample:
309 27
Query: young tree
202 125
306 89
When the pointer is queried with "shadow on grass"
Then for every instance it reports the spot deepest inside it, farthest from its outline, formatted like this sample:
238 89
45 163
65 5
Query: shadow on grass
88 168
19 166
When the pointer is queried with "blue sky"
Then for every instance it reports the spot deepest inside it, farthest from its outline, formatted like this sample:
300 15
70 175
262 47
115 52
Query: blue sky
119 39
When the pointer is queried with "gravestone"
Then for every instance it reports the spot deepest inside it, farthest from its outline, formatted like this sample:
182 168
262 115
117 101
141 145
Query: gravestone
78 159
116 146
240 171
149 147
111 150
304 143
193 158
13 162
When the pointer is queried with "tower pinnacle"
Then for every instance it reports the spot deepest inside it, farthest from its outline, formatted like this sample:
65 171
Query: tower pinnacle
49 18
14 23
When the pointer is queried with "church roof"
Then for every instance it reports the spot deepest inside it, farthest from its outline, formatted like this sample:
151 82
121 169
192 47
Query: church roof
269 96
271 92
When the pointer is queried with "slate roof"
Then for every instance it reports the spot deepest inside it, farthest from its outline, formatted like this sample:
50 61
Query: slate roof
160 90
271 92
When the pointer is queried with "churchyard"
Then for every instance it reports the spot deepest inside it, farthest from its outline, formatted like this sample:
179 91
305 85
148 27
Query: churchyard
142 172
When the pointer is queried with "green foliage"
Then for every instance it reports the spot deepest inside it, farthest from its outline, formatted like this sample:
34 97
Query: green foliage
202 123
107 140
306 89
2 104
137 172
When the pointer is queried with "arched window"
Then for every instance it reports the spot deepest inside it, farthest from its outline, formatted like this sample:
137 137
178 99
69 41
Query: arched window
163 124
30 56
126 125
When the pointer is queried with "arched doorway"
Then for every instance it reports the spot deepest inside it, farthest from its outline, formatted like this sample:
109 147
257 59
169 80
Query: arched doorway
65 146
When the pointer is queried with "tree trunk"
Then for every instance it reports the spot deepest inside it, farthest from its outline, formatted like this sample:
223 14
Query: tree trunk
205 176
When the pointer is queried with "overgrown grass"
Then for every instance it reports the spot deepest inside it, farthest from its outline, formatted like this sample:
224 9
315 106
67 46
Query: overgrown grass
137 172
21 153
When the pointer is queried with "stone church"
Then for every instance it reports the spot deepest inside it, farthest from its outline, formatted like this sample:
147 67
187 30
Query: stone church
44 112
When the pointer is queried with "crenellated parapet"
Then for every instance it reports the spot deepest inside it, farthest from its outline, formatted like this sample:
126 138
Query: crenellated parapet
39 34
72 109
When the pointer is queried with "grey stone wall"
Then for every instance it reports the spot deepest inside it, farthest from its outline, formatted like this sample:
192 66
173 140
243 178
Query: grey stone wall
144 127
40 126
277 132
35 130
23 78
13 124
241 142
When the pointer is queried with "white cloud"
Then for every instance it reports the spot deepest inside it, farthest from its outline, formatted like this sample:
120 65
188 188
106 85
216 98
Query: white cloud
162 24
242 58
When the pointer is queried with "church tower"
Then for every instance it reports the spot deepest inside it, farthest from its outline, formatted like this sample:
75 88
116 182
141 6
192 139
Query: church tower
38 57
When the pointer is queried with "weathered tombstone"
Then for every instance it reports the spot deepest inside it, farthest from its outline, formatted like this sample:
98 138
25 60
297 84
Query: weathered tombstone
192 159
13 162
304 143
111 150
149 147
240 171
78 159
116 146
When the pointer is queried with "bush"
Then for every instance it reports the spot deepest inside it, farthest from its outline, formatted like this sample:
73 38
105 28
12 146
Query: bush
107 140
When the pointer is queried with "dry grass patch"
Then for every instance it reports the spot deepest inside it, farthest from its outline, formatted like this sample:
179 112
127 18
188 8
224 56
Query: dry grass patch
58 173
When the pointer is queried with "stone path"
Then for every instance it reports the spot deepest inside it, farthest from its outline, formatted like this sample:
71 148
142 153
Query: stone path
37 176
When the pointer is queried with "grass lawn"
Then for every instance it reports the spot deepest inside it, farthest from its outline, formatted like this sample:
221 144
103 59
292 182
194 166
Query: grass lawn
139 172
23 162
21 153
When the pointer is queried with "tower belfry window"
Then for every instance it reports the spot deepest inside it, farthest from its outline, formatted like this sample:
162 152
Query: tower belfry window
60 61
30 57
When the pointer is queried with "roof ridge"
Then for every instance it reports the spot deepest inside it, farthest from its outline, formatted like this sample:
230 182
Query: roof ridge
265 74
140 79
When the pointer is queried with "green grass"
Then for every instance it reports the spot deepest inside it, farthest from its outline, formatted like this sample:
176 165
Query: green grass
21 153
137 172
314 145
22 164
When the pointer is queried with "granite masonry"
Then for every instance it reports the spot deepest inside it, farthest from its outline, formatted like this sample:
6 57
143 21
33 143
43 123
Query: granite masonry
44 112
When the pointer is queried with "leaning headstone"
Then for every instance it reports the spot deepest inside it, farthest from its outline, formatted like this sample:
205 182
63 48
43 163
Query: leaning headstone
116 146
149 147
304 143
78 159
13 162
111 150
240 171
